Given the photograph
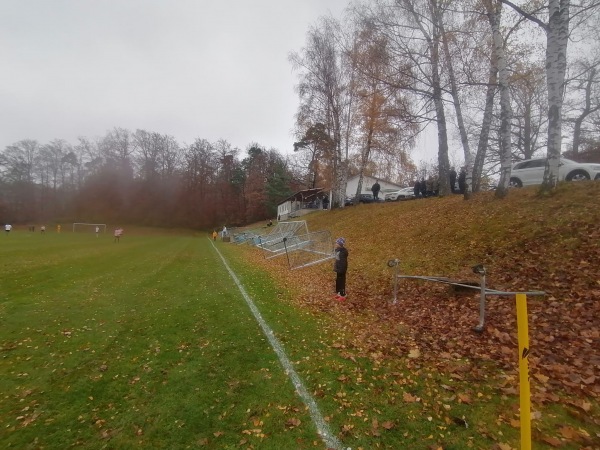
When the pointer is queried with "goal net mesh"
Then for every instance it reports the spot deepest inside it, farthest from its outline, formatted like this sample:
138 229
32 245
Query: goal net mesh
309 249
272 243
293 240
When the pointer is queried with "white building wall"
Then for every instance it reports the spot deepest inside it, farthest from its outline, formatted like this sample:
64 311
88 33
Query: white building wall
369 181
284 210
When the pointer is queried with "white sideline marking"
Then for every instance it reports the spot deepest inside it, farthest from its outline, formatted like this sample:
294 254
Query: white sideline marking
323 429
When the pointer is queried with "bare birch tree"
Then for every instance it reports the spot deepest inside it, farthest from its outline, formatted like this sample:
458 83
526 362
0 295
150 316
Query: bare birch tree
323 91
494 13
486 122
449 60
557 30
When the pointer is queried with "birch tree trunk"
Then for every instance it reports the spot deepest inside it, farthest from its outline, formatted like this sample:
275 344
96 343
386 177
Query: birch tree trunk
459 117
557 35
557 38
494 13
443 162
485 125
434 43
433 39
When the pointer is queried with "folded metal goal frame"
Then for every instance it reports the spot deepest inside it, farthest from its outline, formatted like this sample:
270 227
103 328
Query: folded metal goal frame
309 249
272 243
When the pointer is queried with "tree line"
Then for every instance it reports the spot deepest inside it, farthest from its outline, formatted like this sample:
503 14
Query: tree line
144 178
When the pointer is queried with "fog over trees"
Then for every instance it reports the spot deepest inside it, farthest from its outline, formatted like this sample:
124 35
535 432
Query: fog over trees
144 178
499 80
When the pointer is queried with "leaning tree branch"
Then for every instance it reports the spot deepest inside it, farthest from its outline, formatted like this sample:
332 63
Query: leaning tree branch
526 14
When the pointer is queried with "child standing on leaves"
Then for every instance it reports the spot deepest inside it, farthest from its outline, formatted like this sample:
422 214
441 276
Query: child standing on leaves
340 266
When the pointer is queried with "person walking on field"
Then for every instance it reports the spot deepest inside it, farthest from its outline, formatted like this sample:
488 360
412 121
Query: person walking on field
7 228
97 230
214 235
340 267
376 188
118 234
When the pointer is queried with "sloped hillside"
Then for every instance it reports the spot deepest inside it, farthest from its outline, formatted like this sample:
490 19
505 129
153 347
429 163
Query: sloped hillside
526 242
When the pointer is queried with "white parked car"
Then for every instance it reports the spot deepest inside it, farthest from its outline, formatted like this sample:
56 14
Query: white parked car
402 194
531 172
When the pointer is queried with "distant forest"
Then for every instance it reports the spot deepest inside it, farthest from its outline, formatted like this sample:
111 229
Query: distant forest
142 178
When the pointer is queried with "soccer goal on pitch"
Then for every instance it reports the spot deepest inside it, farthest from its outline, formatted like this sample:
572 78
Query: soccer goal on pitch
80 227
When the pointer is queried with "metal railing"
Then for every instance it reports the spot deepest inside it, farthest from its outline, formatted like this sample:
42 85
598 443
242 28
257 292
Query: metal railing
484 291
522 332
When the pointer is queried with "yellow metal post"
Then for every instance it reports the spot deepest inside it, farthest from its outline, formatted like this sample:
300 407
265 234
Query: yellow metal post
525 400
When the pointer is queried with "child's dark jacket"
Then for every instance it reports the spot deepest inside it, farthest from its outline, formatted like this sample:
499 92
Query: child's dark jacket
341 260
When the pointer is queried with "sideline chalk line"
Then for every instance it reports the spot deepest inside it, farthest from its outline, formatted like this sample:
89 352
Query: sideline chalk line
322 427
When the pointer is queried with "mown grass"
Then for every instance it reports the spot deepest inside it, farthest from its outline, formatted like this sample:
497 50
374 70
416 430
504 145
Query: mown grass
142 343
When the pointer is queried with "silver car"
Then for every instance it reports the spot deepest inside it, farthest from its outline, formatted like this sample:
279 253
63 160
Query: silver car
531 172
402 194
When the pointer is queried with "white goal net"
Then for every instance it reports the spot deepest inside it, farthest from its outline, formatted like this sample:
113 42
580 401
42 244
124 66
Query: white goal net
309 249
292 239
273 242
80 227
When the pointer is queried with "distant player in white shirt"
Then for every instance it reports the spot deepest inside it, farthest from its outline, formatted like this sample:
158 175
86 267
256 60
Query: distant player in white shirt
118 234
7 228
97 230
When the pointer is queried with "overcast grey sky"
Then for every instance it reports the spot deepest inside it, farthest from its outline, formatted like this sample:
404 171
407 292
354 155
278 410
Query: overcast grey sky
188 68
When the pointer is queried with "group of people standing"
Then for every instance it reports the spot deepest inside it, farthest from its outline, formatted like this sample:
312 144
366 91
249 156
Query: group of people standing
224 233
462 180
431 186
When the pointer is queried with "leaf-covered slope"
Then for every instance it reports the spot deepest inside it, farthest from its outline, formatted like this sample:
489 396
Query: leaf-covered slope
525 241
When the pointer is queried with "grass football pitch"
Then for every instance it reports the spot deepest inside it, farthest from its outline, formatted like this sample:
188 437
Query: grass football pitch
146 342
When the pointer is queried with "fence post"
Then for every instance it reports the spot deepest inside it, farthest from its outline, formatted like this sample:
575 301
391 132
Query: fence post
525 401
286 252
395 263
480 270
